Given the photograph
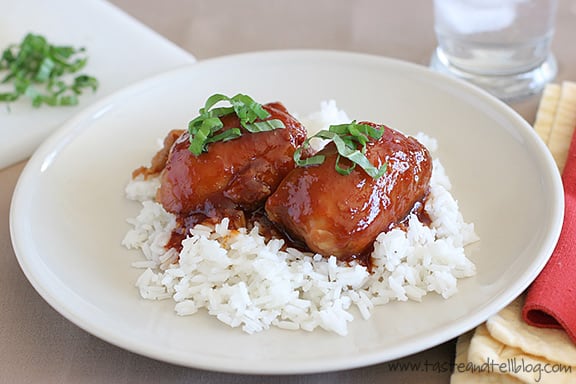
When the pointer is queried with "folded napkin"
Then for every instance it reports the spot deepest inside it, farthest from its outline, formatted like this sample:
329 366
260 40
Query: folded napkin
507 348
551 300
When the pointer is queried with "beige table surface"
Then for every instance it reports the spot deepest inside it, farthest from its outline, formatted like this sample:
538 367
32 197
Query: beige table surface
38 345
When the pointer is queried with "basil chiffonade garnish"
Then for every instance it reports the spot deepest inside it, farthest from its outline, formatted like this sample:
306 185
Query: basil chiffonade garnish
38 69
207 127
347 138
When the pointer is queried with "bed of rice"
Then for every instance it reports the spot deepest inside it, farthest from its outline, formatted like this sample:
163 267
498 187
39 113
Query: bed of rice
244 281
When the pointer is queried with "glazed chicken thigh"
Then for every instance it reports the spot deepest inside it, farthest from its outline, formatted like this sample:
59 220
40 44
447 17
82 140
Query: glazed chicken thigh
341 215
238 174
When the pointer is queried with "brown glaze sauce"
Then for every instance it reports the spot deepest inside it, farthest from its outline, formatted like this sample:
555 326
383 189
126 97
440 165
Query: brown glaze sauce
267 229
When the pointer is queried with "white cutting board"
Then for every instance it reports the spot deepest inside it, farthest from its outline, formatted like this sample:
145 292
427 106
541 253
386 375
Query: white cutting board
121 51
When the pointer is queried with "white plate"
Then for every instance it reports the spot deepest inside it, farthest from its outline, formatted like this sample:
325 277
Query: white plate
68 214
122 52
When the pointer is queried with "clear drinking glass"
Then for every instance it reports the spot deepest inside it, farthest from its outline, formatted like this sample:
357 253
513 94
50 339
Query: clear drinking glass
502 46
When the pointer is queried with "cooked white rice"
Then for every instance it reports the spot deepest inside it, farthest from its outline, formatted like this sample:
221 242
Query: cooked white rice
244 281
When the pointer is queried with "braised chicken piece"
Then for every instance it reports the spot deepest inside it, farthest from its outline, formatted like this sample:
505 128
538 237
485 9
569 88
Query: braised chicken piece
234 175
341 215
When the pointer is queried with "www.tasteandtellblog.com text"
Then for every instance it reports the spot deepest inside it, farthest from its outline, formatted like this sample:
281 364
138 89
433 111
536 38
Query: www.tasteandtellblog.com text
515 366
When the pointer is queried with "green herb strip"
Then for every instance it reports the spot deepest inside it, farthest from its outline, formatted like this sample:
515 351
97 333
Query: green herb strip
207 127
347 138
37 68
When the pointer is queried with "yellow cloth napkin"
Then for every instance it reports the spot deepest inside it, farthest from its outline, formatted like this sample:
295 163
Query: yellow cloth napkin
505 349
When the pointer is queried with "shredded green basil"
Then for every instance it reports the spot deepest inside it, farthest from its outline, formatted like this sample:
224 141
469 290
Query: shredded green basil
207 127
347 138
38 70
